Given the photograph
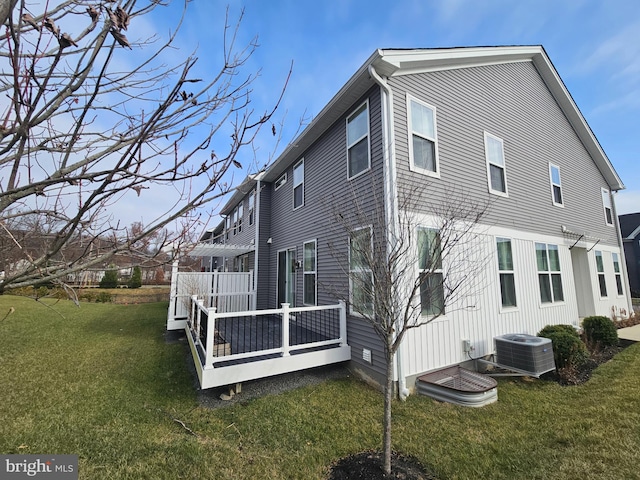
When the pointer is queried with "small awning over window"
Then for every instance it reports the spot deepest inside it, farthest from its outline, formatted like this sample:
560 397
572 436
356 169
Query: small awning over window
219 250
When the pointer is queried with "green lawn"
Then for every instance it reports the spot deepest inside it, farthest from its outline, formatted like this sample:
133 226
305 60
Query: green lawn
100 382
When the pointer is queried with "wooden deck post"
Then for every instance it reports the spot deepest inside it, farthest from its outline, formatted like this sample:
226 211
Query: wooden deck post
343 323
173 293
211 333
285 330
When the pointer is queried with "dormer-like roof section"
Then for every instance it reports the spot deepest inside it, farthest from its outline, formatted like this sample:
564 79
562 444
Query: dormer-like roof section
393 62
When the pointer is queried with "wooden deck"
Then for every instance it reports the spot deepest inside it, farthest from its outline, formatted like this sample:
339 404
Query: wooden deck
229 348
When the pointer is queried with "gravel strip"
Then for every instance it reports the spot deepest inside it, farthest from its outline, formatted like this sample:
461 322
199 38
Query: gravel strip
210 398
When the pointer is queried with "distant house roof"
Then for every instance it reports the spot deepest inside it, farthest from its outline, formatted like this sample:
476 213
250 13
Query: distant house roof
393 62
630 225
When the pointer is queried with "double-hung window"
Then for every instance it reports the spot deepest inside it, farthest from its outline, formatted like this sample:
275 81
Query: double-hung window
608 209
549 275
430 272
252 205
227 224
298 184
360 274
602 280
240 216
358 141
309 269
496 167
616 271
556 185
422 137
505 270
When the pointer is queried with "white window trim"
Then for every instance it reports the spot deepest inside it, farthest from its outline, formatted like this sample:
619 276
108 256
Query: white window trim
504 168
442 270
251 209
293 189
410 132
615 258
607 204
513 272
553 303
368 135
310 272
596 254
552 184
351 310
282 179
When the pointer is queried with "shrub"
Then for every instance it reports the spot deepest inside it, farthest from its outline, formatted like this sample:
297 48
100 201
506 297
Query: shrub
600 331
552 329
110 279
103 297
136 278
568 348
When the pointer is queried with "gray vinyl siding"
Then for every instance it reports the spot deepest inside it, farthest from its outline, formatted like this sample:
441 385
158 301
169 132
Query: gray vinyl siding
248 231
326 186
264 248
512 102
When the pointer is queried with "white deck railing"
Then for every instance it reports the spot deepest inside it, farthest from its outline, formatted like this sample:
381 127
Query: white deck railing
226 291
233 347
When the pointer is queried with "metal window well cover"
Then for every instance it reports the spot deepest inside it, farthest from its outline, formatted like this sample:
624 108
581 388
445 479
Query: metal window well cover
459 386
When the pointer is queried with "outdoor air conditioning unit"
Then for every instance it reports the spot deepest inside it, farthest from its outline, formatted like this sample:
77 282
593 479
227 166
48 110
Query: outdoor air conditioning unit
525 353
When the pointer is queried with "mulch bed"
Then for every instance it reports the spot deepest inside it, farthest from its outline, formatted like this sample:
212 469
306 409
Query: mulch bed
368 466
579 375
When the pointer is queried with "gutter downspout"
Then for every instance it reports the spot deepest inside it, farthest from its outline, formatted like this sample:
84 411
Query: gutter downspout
391 197
623 258
256 243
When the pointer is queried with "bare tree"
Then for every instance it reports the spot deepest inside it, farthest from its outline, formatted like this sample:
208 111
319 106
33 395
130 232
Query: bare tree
405 272
89 115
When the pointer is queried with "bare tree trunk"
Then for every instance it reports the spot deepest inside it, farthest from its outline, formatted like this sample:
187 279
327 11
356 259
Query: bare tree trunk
388 395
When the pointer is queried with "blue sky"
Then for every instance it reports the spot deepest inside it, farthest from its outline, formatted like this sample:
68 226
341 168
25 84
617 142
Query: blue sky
594 45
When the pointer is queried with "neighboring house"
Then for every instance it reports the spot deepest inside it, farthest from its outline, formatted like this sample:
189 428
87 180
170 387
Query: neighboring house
495 122
630 228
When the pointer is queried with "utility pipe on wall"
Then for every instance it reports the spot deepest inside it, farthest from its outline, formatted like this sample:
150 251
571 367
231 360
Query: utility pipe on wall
391 198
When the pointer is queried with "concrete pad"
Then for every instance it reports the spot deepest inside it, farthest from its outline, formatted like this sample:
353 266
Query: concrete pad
630 333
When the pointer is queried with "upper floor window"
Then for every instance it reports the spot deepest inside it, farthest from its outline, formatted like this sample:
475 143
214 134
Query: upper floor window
358 141
227 222
360 274
309 269
549 275
556 185
298 184
496 168
282 179
616 271
240 216
608 209
422 137
505 270
252 204
430 271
